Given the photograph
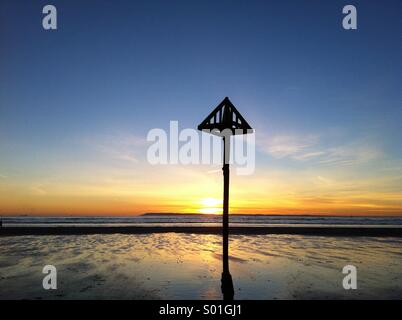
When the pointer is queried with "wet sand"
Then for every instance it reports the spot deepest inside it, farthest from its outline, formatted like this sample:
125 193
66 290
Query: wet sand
188 266
296 230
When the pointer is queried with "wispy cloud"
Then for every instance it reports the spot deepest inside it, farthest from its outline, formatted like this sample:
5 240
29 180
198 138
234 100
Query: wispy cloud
350 154
314 148
309 155
281 146
125 147
2 176
38 189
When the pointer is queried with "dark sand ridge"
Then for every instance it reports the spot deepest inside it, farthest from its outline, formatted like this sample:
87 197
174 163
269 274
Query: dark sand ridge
317 231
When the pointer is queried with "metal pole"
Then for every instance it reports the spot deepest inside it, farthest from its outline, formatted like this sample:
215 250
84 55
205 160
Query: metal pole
227 283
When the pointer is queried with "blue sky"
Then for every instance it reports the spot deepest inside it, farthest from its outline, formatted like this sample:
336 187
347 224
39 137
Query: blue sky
317 95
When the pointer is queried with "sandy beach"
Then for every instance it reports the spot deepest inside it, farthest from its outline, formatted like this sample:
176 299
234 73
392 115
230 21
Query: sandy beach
188 266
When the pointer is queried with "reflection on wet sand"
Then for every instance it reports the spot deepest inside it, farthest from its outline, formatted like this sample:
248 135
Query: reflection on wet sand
188 266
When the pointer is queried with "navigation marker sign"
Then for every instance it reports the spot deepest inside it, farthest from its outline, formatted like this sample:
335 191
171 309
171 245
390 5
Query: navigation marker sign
225 120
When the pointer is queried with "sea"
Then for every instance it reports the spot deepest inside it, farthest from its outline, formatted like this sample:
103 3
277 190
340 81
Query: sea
154 219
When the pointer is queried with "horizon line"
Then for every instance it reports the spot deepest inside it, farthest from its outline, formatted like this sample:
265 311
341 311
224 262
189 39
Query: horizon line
111 215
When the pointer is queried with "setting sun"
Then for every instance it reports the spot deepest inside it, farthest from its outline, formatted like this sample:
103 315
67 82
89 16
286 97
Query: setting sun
211 202
210 206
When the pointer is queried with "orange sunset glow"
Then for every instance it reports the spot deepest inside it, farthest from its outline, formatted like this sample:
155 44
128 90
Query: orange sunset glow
141 188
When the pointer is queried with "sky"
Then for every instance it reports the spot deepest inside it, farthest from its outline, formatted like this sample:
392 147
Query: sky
77 103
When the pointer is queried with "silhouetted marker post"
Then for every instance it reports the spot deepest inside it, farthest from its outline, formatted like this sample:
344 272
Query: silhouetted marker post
225 121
